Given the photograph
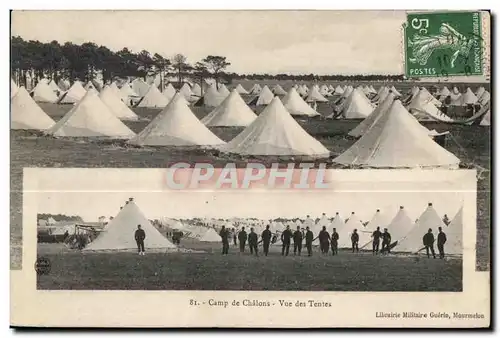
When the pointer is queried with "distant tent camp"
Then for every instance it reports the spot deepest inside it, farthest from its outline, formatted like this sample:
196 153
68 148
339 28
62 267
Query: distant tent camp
255 89
397 140
296 105
91 118
372 119
275 132
153 99
119 233
169 92
140 87
356 105
454 234
43 93
346 231
176 125
265 97
210 236
211 98
429 219
223 91
315 96
116 105
233 111
74 94
278 90
239 88
26 114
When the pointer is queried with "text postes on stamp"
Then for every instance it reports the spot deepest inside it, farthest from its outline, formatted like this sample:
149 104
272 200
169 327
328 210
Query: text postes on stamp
443 44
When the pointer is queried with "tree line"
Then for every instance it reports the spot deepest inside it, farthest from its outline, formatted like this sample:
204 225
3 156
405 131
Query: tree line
34 60
59 217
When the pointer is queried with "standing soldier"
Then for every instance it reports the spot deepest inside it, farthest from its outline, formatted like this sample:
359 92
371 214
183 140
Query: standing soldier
224 234
285 239
252 242
140 236
242 237
355 240
335 242
376 240
386 241
441 241
309 241
297 241
266 239
428 240
324 240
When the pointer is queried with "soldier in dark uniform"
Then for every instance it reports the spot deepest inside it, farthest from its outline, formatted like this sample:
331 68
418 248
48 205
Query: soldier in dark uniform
242 237
266 239
140 236
428 240
309 241
386 241
224 234
252 242
376 240
286 236
355 240
335 242
297 241
441 240
324 240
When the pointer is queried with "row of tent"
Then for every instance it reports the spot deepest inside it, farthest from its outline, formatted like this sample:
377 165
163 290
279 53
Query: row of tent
406 235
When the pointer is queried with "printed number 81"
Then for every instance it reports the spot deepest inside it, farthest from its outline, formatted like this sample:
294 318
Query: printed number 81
417 24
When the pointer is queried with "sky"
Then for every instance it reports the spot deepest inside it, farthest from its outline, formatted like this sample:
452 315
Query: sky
294 42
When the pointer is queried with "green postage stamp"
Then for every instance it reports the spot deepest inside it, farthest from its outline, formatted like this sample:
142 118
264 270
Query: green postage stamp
443 44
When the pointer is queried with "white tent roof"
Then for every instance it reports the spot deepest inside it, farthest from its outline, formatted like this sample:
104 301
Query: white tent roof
125 92
64 84
53 85
337 222
13 88
169 92
140 87
278 90
424 95
314 95
116 105
186 91
74 94
224 91
486 119
397 140
275 132
301 91
265 97
212 97
479 91
356 105
444 91
395 91
429 219
379 219
233 111
426 110
296 105
153 99
400 226
26 114
382 94
43 93
454 234
196 90
339 90
239 88
91 117
347 91
324 90
119 233
345 232
210 236
256 89
372 119
176 125
484 98
465 99
90 85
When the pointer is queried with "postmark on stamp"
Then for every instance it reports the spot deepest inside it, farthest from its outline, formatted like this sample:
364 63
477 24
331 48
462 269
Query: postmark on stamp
443 44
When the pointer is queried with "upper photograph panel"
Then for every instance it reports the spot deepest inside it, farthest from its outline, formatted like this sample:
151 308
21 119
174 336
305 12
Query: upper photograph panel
351 89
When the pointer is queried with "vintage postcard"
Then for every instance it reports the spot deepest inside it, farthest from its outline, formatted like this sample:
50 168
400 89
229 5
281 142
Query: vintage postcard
148 160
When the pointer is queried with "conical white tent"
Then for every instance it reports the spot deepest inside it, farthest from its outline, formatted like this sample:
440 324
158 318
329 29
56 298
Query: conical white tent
119 233
186 91
424 95
347 91
337 222
140 87
296 105
256 89
275 132
43 93
223 91
64 84
116 105
444 92
53 85
90 85
356 106
485 98
479 91
169 92
211 98
301 91
126 92
13 88
239 88
233 111
379 220
372 119
176 125
153 99
265 97
400 226
315 96
338 90
74 94
465 99
196 90
454 234
89 118
26 114
426 110
210 236
278 90
395 91
429 219
346 231
397 140
324 90
322 222
486 119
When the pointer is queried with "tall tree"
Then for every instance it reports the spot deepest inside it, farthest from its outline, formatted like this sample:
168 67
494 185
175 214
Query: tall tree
216 64
179 62
200 73
162 65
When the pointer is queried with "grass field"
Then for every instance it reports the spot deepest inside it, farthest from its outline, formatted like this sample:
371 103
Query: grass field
470 143
212 271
